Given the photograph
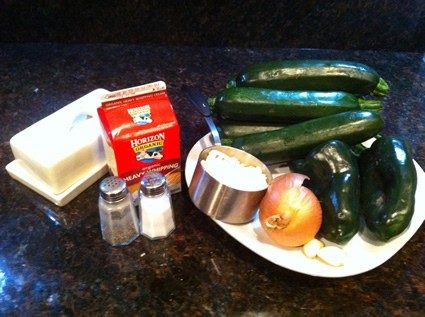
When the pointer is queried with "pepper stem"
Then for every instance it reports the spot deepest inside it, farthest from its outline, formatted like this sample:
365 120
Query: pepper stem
358 149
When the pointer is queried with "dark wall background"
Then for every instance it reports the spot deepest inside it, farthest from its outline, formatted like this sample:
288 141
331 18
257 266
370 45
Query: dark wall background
341 24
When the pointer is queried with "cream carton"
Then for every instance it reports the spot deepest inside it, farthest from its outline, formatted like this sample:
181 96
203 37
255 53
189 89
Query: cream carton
141 134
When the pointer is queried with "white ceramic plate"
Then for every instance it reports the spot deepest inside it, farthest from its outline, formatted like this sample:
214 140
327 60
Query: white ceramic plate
363 254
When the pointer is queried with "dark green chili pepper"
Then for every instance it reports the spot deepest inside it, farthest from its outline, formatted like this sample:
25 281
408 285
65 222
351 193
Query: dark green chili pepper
334 179
388 185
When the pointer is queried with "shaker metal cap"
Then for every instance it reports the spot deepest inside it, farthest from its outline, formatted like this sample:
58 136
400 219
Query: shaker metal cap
113 189
153 184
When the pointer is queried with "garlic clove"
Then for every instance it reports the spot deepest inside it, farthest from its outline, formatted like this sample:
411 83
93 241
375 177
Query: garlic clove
312 247
332 255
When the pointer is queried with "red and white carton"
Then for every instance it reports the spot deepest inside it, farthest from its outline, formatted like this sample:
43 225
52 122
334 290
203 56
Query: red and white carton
141 134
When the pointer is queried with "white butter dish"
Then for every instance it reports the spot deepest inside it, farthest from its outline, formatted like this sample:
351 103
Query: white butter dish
60 154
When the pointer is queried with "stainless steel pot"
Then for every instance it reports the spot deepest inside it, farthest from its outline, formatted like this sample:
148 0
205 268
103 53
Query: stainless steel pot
220 201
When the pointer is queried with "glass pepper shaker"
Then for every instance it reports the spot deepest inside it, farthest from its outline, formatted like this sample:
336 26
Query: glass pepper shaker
118 216
155 207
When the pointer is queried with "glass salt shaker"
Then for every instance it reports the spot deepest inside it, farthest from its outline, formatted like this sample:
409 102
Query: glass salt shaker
155 207
118 216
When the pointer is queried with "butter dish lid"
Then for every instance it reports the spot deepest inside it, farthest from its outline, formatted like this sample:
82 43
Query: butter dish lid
61 133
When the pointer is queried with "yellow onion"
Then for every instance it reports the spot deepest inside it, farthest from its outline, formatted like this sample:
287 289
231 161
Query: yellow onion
289 212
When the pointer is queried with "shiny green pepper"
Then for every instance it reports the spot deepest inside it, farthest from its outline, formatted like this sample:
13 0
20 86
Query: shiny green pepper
334 179
388 185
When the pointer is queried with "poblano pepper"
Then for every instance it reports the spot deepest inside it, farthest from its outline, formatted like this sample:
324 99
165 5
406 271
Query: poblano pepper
388 185
334 179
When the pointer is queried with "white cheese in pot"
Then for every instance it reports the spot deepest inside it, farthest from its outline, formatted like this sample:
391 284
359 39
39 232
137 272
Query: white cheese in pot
231 172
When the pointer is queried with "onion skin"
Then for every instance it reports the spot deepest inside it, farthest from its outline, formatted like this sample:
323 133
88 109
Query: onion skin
289 212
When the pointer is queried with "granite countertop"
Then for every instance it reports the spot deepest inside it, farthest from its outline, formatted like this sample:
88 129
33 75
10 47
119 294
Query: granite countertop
54 262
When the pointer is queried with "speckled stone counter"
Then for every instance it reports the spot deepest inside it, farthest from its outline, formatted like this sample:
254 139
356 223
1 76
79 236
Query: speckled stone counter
334 24
53 261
